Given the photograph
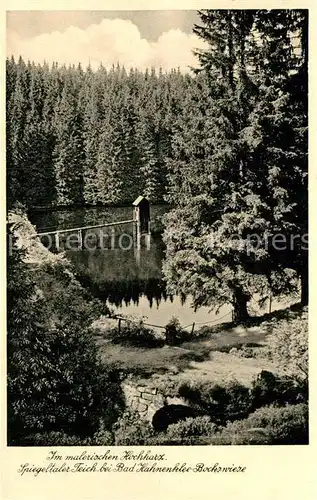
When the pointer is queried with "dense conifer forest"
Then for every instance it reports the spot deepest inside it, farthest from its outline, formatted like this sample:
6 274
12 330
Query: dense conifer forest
78 137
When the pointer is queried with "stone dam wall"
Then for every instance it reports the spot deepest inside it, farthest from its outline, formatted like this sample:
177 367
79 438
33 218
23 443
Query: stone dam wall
146 397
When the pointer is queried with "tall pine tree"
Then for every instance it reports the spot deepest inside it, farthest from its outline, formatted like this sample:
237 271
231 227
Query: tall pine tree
224 193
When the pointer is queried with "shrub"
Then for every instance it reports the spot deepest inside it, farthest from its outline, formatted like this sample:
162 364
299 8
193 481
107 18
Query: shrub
133 331
236 402
67 301
198 426
268 388
288 346
174 334
292 390
267 425
102 437
191 431
241 437
221 403
130 430
278 425
60 386
53 438
163 439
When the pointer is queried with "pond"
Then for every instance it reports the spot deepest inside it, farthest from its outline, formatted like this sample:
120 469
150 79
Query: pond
129 281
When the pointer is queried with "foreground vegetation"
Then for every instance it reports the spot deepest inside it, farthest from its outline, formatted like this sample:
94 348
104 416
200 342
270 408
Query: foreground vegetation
55 380
64 386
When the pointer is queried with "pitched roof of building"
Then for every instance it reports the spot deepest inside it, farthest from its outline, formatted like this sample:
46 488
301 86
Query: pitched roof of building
138 200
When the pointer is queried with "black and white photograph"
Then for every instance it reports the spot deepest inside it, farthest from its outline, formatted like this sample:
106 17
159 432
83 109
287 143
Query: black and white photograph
157 227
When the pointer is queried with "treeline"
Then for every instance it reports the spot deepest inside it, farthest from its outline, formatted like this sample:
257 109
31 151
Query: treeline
79 137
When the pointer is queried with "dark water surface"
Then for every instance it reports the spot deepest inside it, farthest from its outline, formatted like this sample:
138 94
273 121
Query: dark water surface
129 281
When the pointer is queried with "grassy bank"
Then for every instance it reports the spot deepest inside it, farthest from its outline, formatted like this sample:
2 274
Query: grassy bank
216 353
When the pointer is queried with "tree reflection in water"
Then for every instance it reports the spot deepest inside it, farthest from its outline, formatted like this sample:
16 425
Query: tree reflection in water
121 276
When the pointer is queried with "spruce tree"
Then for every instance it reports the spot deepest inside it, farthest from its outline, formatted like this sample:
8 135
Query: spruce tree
91 136
68 151
17 105
222 195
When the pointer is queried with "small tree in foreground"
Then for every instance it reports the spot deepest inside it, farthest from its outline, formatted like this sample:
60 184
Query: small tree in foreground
289 346
55 382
